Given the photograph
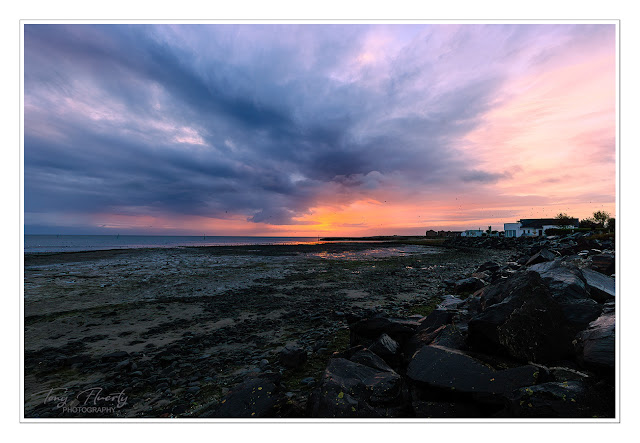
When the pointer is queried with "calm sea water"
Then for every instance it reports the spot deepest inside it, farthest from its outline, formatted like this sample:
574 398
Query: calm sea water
69 243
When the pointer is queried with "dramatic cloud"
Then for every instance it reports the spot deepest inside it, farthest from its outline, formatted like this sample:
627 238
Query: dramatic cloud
314 128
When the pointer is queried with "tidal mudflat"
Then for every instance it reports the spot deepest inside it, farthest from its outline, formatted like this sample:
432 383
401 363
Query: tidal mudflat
167 332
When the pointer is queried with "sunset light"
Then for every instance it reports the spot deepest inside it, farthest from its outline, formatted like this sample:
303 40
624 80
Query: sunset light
330 129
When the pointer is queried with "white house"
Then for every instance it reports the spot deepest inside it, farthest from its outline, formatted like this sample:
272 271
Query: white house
536 226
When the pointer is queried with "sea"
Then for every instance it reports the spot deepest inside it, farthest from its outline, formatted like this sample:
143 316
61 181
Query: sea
74 243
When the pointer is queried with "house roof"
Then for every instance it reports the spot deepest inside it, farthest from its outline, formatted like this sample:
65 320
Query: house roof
538 223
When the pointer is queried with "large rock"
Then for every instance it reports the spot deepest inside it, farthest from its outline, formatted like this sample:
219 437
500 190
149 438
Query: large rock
564 279
490 266
596 346
551 400
450 302
366 330
601 287
367 358
387 348
468 285
437 318
451 336
453 371
535 314
569 288
543 256
528 324
351 389
420 339
254 398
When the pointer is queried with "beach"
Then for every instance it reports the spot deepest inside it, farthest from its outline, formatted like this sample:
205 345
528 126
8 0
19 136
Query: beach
171 330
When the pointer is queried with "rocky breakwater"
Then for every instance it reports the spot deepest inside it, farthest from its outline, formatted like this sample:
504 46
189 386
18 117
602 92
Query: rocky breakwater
532 338
596 251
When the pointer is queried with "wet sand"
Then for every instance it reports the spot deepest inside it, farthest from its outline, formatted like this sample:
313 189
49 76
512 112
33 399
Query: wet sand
175 328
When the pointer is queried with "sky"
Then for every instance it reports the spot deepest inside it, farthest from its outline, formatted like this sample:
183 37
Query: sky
315 129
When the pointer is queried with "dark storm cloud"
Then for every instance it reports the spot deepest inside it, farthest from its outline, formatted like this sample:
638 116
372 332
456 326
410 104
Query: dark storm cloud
256 120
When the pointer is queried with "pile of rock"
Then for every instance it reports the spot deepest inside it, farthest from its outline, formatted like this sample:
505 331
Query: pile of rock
535 339
600 252
530 338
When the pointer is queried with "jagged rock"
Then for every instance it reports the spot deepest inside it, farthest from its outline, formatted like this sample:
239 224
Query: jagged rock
254 398
368 358
292 356
565 283
551 400
467 285
452 337
490 266
420 339
564 279
543 256
437 318
596 346
528 324
569 288
456 372
450 302
368 329
601 287
350 389
387 348
561 374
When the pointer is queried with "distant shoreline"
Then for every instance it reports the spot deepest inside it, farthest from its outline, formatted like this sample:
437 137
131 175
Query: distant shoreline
49 244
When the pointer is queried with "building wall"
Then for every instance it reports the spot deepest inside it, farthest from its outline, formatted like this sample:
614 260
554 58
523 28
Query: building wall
512 230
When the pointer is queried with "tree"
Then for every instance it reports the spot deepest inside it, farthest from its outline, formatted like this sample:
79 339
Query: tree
601 217
563 220
611 224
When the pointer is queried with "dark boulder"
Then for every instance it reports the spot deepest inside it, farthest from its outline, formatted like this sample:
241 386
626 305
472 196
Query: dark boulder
543 256
601 287
528 324
559 373
565 280
437 318
596 346
490 266
387 348
350 389
419 339
451 336
551 400
367 358
366 330
453 371
569 288
450 302
254 398
468 285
